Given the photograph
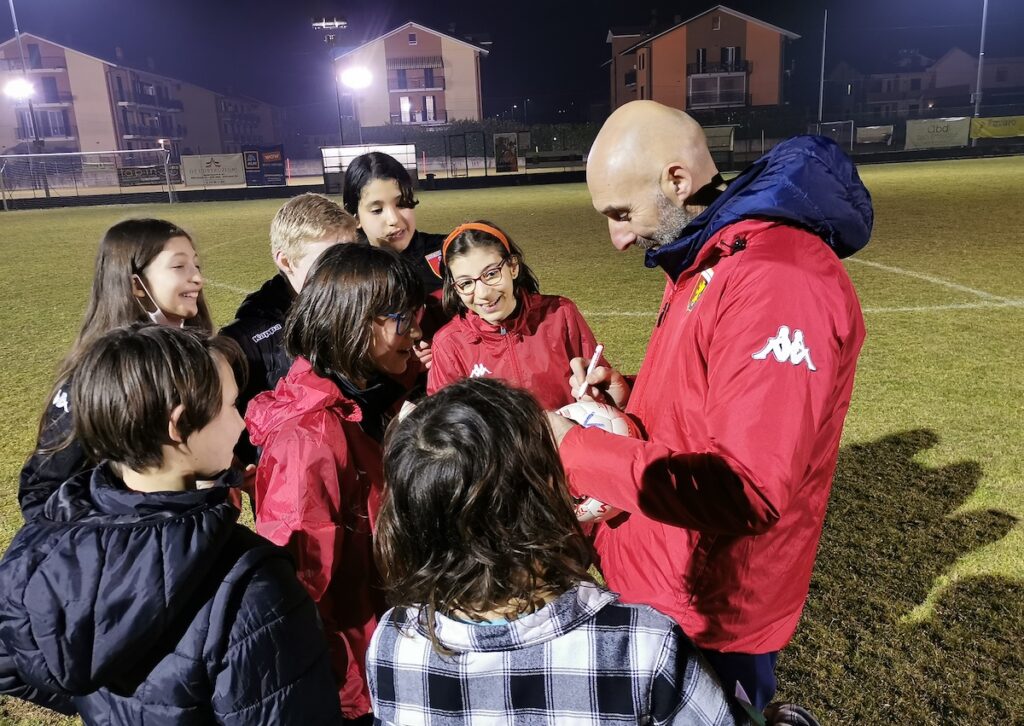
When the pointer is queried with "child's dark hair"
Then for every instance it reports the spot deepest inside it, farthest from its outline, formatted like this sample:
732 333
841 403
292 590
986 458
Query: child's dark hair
476 513
330 321
130 380
368 167
472 239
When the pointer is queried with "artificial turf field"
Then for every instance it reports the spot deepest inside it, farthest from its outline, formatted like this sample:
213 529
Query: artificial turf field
916 609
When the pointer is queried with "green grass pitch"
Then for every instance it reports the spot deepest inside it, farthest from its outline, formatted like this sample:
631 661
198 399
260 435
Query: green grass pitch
916 609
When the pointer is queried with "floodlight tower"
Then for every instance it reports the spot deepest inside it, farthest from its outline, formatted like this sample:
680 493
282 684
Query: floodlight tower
330 28
22 90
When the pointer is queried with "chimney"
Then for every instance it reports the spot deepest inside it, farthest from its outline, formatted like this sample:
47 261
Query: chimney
149 63
119 54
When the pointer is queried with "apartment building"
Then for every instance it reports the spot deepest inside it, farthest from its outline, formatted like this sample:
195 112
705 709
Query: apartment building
416 76
84 103
720 58
915 84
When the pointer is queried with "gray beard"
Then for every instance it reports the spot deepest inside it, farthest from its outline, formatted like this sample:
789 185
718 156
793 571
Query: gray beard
671 221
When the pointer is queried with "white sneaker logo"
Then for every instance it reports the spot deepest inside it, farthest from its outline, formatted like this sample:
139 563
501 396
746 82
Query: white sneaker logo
61 401
479 371
785 349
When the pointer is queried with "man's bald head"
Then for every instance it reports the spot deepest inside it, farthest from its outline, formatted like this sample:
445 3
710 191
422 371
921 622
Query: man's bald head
642 148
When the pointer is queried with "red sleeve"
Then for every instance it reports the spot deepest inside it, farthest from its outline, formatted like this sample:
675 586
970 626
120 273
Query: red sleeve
298 476
762 415
446 367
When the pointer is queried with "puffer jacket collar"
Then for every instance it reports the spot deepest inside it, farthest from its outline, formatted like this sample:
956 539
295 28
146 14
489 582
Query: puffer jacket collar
807 181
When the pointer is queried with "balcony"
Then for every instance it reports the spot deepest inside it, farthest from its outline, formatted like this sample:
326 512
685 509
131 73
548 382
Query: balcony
59 98
42 63
415 84
719 90
697 69
417 118
58 132
139 131
150 100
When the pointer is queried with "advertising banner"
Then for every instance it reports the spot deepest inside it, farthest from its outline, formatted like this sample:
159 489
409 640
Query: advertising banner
875 134
506 152
1002 127
140 176
211 170
938 133
264 166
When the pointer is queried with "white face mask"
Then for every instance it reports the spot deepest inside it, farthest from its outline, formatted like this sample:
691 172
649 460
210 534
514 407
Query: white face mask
157 315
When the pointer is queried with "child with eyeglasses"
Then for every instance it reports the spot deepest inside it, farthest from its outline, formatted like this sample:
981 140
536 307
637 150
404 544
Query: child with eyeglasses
351 329
502 327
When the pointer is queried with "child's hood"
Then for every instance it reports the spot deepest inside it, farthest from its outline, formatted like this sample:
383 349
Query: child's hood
299 393
91 587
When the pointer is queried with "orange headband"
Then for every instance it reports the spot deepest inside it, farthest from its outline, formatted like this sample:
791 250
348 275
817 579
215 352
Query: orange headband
473 226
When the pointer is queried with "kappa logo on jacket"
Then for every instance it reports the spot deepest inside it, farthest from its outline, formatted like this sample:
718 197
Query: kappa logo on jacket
479 371
61 401
785 349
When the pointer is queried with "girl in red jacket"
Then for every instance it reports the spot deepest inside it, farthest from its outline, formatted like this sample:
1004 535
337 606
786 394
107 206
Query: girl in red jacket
502 326
353 326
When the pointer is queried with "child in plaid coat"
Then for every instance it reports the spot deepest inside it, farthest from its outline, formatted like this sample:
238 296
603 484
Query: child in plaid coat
497 620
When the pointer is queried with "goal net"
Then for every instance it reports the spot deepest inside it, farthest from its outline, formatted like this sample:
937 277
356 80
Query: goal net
115 174
842 132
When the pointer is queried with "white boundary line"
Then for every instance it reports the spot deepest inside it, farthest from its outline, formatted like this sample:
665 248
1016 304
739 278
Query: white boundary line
225 243
934 280
226 286
951 306
867 311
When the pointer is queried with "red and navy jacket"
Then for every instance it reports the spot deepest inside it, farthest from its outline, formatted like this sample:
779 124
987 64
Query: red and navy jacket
317 487
742 394
532 350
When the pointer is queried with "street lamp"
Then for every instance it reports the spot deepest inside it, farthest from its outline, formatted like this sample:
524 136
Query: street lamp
21 89
356 78
981 63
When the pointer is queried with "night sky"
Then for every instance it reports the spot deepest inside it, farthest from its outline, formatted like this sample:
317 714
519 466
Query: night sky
547 51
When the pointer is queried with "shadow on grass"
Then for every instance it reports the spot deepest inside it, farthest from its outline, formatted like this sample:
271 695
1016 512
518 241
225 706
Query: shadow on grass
888 535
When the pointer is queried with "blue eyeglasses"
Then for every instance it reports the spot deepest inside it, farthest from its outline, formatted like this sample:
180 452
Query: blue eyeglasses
403 321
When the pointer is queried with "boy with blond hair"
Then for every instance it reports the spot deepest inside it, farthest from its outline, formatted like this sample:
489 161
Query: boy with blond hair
300 232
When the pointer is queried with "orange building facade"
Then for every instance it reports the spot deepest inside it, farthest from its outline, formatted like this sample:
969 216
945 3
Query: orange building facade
718 59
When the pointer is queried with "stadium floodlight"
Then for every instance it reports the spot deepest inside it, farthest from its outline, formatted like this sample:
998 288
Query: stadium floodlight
356 78
330 23
20 89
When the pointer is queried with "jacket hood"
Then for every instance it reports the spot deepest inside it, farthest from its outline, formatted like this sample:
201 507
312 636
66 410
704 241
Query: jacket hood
92 585
271 302
807 181
301 392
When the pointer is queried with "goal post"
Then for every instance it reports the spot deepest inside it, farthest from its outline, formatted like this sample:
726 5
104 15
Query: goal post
842 132
116 174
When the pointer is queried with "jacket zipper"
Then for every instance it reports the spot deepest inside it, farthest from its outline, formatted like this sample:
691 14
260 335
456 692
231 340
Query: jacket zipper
512 356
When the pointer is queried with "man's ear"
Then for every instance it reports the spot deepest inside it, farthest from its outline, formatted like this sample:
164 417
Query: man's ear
676 182
172 425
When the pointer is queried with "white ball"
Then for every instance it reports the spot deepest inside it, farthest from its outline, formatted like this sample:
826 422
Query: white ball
591 414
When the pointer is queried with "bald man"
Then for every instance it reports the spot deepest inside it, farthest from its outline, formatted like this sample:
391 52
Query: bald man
744 387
